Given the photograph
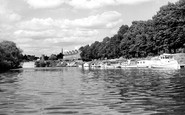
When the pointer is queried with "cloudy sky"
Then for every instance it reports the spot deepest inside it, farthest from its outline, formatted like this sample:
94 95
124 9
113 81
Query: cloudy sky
45 26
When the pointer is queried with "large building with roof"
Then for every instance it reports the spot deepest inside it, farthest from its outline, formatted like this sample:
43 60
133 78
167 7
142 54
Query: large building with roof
72 55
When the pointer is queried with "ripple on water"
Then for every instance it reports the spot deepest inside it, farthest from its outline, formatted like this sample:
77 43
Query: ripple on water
74 91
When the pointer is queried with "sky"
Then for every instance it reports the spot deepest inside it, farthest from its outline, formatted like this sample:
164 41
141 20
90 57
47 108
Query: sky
46 26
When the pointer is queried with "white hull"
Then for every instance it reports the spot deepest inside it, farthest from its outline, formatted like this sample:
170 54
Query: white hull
128 66
170 65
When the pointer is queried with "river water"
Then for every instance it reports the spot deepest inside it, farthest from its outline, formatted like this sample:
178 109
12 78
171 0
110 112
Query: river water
75 91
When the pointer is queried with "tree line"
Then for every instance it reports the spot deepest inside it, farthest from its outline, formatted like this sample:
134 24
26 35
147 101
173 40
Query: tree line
164 33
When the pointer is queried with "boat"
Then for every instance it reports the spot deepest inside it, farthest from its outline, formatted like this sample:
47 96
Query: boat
165 61
129 64
111 64
95 64
106 64
144 63
87 64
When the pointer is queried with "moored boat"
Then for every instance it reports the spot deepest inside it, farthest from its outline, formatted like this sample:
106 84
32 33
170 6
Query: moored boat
111 64
144 63
129 64
87 64
165 61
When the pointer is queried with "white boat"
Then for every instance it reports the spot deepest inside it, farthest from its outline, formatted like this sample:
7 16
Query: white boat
106 64
80 65
111 64
129 64
144 63
165 61
95 64
87 64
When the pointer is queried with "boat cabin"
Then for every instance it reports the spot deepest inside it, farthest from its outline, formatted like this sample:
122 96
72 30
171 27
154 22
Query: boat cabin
166 56
143 63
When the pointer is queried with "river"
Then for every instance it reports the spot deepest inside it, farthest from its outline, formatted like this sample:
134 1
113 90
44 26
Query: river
75 91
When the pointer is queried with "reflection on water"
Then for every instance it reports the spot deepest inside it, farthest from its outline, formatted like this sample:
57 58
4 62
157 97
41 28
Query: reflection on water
92 92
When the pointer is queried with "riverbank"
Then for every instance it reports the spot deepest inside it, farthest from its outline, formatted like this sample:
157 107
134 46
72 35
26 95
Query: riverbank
4 67
57 63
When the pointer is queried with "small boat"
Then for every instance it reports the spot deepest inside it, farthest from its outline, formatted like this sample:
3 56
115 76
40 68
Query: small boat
144 63
95 64
108 64
87 64
129 64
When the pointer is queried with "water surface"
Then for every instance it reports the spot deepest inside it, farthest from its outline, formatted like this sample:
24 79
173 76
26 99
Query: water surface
75 91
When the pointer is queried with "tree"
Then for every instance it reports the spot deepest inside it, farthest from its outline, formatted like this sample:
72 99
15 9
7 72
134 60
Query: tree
169 26
53 57
86 53
60 56
10 55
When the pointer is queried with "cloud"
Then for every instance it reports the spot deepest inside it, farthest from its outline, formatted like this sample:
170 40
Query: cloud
54 28
105 20
44 3
164 2
86 4
34 34
59 34
38 24
7 15
80 4
90 4
131 1
64 32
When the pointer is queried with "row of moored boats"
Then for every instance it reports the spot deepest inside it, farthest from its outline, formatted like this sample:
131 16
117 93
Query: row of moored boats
169 61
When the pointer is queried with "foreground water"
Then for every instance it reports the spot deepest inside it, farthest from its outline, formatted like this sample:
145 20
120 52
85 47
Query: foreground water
76 91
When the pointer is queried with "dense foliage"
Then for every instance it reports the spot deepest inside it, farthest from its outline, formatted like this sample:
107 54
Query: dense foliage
10 55
26 58
50 61
165 33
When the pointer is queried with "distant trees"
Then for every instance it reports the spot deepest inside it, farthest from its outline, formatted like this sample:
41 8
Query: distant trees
29 58
165 33
60 56
53 57
10 55
49 61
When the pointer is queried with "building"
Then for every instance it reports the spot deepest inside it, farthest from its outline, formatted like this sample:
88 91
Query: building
72 55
